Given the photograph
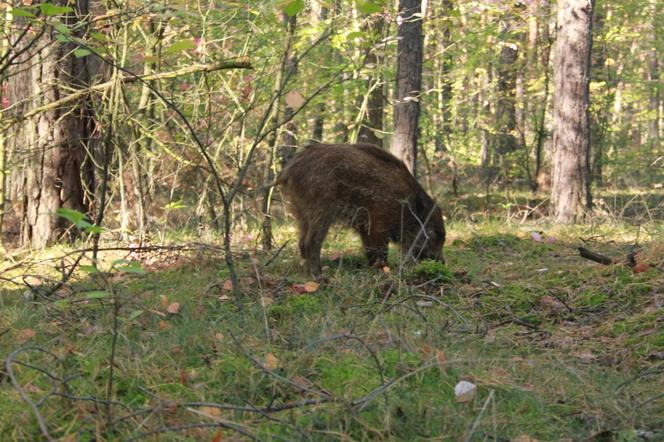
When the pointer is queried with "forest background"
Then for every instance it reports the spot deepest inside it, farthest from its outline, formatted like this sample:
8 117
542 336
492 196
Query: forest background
139 142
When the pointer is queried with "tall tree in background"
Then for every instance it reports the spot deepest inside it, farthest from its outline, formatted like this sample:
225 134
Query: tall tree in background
409 81
653 76
443 84
372 121
570 190
51 144
506 71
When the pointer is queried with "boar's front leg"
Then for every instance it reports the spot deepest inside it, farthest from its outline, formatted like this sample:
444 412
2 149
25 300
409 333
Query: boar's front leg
311 242
375 242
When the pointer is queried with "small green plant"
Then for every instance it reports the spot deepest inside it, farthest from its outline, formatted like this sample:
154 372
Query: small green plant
432 269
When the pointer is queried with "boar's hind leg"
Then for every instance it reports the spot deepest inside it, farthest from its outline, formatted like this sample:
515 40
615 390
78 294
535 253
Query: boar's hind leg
311 242
375 245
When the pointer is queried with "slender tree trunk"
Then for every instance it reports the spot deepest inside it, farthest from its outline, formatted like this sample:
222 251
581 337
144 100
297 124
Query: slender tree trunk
372 121
319 12
654 84
52 142
599 116
409 82
542 175
570 191
443 116
506 73
289 134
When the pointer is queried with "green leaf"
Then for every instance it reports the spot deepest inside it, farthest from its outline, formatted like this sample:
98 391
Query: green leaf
61 303
180 45
94 229
98 294
294 7
81 52
355 34
61 28
88 269
99 36
135 314
16 12
368 7
51 10
174 205
131 267
75 217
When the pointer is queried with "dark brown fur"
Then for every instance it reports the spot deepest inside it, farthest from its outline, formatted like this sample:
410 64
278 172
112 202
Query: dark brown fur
365 188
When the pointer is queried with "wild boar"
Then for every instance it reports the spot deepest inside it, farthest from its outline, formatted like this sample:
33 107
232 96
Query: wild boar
367 189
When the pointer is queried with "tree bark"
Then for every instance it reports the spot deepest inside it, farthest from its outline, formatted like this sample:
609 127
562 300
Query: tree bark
443 115
372 122
570 191
506 73
409 82
52 142
654 84
289 134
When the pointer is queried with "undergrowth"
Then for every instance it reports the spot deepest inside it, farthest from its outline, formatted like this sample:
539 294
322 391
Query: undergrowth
560 347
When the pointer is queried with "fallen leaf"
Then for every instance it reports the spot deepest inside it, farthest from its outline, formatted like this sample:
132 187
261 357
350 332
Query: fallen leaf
31 388
163 325
224 298
302 381
174 308
552 303
228 285
311 286
641 267
210 411
441 359
386 269
271 361
586 356
465 391
163 301
25 335
294 99
183 377
218 437
298 288
33 281
550 240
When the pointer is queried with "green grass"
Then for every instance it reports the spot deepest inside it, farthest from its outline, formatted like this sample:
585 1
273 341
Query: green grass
560 347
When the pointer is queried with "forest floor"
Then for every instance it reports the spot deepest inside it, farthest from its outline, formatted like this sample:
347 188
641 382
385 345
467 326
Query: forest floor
559 347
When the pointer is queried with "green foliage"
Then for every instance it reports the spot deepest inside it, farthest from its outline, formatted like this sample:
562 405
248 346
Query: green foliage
294 7
434 270
51 10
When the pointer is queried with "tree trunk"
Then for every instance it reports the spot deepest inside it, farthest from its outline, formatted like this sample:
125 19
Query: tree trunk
372 122
52 142
654 84
542 175
443 115
506 71
289 134
409 80
571 140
